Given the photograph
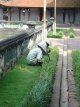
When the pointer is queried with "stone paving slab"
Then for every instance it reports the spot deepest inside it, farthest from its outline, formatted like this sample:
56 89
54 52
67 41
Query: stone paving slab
64 85
55 101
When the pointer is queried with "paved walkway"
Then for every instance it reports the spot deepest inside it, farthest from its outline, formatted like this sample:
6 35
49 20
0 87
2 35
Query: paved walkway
64 92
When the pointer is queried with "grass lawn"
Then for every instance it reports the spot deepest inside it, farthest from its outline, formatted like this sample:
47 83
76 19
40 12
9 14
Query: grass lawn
76 69
17 82
21 79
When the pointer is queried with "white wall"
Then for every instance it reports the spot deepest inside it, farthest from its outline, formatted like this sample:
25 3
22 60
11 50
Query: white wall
14 14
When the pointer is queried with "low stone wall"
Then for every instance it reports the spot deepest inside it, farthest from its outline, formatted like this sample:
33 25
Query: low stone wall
12 48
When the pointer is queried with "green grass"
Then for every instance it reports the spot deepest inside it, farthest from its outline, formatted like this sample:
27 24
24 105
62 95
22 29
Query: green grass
21 80
40 95
76 69
59 34
17 82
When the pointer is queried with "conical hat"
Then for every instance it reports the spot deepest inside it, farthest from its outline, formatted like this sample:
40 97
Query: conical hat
43 45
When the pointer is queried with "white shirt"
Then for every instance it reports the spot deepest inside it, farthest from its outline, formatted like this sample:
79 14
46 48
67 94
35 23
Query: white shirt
35 55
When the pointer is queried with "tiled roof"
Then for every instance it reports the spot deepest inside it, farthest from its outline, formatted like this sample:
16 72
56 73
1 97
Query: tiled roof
39 3
68 3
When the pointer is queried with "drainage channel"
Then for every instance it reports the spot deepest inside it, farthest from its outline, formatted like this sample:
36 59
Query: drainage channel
64 94
64 79
60 90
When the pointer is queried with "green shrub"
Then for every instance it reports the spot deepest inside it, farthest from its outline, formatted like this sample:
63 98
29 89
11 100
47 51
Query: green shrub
76 71
71 30
58 29
50 34
58 34
71 35
40 95
55 35
63 29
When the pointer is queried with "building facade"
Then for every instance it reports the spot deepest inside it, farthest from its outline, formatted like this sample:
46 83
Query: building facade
68 12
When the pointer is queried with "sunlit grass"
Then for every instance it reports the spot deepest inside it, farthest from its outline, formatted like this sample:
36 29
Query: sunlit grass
17 82
21 79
